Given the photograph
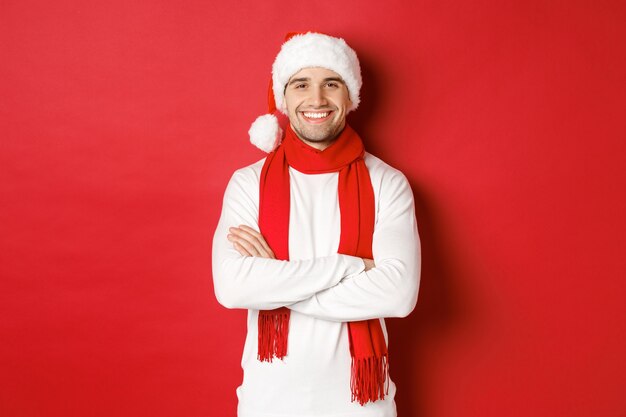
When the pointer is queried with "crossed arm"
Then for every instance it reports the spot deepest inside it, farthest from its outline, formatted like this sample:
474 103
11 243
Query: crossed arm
336 288
249 242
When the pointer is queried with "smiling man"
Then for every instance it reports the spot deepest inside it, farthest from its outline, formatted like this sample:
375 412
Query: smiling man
317 101
318 241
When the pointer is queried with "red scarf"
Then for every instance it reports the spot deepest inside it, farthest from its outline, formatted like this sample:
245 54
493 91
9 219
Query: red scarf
369 376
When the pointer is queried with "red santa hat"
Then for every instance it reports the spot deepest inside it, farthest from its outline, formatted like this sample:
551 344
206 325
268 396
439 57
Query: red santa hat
303 50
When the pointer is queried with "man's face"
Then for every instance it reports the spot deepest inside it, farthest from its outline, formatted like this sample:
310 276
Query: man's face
317 101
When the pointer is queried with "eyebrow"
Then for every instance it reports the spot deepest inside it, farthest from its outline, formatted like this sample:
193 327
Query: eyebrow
295 80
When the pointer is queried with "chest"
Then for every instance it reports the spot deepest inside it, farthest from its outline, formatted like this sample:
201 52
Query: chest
314 219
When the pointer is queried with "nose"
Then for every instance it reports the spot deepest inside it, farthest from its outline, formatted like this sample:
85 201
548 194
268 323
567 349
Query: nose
318 97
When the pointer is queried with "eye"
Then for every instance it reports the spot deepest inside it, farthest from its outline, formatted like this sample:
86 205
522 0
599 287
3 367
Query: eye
333 84
300 86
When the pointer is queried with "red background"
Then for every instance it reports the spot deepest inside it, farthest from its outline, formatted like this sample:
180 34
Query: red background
121 123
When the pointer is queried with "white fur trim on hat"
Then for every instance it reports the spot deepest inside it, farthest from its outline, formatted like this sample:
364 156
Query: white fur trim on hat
265 133
316 50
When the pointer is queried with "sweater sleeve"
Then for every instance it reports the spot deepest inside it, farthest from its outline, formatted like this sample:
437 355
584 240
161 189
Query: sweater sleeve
261 283
391 288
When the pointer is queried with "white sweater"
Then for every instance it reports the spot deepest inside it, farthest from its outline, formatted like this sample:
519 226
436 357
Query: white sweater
323 289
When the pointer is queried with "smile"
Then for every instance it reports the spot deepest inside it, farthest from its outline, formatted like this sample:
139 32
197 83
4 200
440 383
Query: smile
316 116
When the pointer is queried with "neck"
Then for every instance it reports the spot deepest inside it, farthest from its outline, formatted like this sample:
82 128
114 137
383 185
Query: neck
321 145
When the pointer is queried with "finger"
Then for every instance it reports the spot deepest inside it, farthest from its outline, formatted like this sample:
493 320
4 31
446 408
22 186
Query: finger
249 247
260 239
237 246
252 240
247 240
241 249
369 264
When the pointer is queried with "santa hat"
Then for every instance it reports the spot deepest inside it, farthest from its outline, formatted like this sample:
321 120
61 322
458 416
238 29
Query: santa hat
303 50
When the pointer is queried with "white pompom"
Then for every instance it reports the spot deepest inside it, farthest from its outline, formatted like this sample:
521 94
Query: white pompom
265 133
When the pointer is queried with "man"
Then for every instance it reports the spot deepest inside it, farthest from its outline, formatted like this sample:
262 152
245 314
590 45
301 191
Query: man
319 242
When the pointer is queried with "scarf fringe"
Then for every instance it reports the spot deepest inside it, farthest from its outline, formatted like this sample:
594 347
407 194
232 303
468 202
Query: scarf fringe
369 378
273 335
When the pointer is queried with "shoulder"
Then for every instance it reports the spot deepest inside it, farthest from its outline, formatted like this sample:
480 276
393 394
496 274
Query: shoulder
244 182
248 175
383 175
392 192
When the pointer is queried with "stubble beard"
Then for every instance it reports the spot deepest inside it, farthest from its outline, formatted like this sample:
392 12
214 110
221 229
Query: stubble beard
316 134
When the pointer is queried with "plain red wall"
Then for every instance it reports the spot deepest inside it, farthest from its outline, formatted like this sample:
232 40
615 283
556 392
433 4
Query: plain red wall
121 123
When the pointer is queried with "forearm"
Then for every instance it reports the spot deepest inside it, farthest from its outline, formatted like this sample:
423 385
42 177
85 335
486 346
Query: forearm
388 290
265 284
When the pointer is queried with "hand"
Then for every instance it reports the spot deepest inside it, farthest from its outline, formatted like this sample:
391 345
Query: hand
369 264
249 242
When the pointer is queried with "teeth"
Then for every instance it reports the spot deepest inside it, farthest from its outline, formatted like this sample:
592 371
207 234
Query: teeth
316 115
